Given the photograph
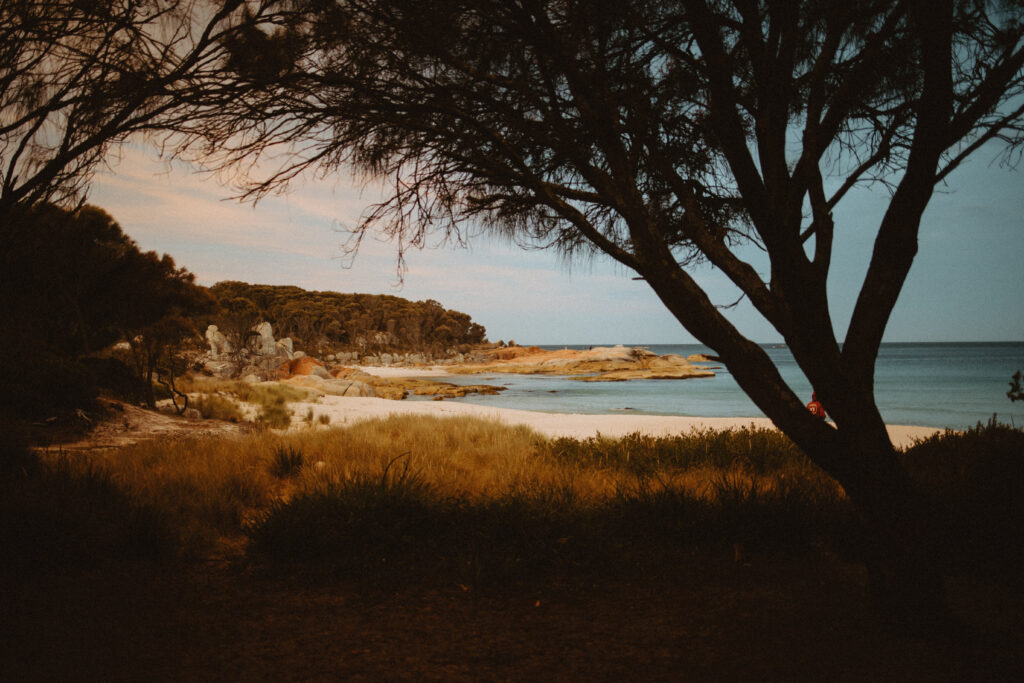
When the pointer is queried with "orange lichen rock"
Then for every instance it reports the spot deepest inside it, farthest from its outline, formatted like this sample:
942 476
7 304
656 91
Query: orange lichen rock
303 366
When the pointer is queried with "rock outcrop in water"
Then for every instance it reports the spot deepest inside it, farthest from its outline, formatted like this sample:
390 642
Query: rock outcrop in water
599 364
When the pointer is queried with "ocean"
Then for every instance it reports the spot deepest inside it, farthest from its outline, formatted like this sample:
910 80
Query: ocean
953 385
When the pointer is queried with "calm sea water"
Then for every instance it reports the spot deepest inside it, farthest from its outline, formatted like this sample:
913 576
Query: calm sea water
935 384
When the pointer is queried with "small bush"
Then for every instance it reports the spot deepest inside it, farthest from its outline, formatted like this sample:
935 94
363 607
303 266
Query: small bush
360 519
212 406
287 462
750 449
274 414
45 386
324 419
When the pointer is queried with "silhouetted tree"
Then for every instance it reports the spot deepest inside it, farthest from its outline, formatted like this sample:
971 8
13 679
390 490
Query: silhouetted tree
155 350
72 283
77 77
1016 392
665 134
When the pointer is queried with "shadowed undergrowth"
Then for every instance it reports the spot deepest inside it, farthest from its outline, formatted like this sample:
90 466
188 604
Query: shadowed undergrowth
477 501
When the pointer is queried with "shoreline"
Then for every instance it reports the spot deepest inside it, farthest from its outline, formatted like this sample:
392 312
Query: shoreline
344 411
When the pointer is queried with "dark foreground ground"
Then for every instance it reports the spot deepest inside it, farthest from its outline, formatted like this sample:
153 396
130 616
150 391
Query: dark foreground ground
702 617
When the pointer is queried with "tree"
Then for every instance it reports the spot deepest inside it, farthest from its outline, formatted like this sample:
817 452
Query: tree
77 78
72 283
155 350
1016 393
65 279
665 135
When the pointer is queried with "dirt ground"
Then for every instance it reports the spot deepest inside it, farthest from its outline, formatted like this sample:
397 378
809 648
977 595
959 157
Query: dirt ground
117 424
701 618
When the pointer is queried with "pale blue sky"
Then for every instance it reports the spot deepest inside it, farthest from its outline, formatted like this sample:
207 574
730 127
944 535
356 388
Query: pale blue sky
967 283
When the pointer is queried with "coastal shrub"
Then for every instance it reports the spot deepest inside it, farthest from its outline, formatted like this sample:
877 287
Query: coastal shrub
287 462
274 413
45 386
114 377
973 481
205 489
751 449
271 393
362 517
56 515
215 407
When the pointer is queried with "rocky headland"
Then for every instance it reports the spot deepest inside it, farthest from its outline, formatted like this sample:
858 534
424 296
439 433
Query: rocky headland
349 374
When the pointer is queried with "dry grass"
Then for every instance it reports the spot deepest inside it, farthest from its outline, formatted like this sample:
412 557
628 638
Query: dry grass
211 489
465 457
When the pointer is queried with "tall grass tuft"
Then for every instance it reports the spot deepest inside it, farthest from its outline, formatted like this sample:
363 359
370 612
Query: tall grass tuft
213 406
274 413
287 462
206 489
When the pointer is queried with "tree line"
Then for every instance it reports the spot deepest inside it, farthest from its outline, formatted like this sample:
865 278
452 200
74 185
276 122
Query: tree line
322 321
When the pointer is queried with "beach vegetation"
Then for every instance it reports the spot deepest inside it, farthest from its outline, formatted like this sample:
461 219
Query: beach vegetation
287 462
1016 392
218 407
56 513
474 501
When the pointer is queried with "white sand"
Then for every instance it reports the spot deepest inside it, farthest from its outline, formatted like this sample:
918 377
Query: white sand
344 410
398 371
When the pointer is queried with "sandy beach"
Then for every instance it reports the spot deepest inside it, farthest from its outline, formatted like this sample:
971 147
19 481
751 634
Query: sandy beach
347 410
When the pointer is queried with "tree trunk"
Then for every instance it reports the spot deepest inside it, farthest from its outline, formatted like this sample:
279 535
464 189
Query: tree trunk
904 580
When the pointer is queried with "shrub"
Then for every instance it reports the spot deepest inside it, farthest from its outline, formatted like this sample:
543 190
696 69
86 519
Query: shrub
750 449
274 414
360 519
44 386
54 515
212 406
974 483
287 462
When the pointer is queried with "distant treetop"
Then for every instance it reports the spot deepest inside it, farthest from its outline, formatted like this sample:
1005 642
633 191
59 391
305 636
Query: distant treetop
356 321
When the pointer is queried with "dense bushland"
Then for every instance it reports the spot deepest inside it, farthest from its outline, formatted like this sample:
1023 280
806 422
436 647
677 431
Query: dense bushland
64 279
361 322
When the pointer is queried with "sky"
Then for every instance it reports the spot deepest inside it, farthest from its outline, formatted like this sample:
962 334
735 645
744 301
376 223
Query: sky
967 282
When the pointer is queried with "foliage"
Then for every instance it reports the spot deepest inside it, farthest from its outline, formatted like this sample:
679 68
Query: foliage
47 385
750 449
212 406
274 413
366 322
1016 393
286 462
56 515
974 480
78 78
65 279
